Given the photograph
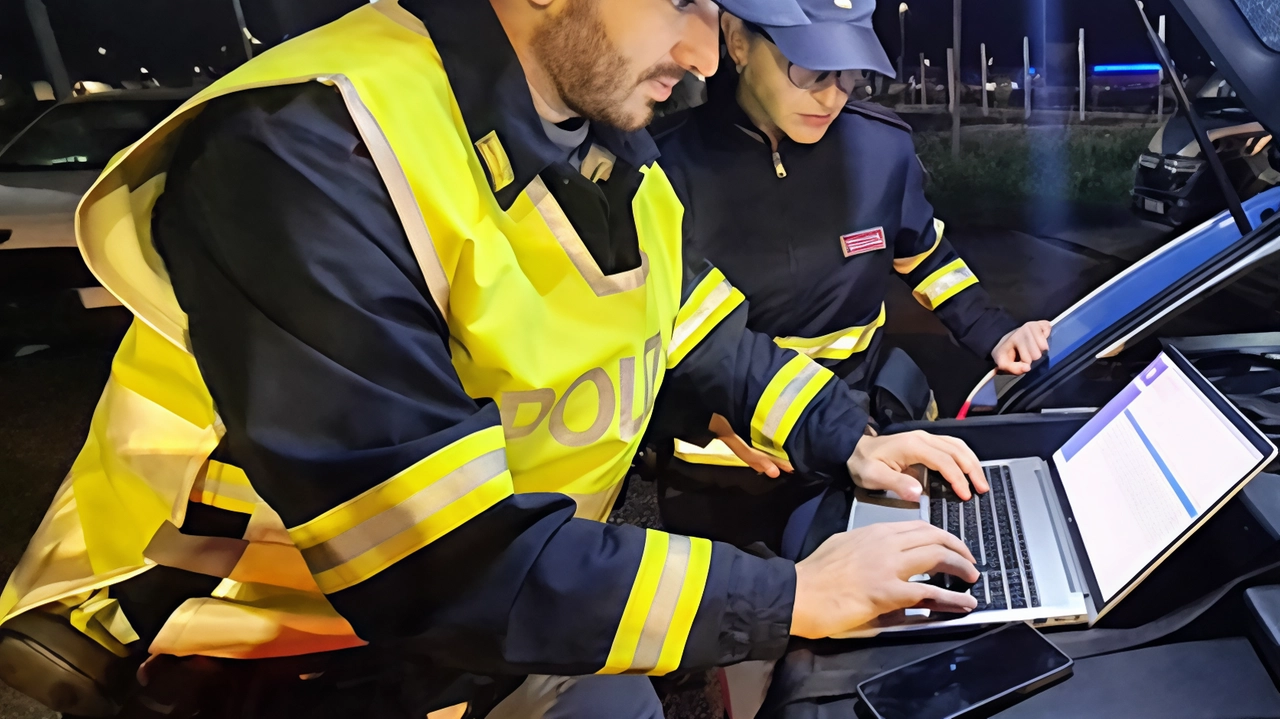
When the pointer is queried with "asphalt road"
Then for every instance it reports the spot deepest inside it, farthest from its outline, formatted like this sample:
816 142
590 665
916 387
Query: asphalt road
1037 261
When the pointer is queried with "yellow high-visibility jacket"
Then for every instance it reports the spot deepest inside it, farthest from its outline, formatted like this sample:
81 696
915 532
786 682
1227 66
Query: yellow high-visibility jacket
471 541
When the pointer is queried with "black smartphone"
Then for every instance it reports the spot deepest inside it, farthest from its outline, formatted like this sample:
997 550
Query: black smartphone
998 668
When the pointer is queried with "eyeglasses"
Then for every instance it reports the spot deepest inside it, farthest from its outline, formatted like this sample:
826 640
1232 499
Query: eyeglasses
818 80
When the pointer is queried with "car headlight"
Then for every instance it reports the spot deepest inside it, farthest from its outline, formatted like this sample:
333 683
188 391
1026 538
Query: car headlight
1149 161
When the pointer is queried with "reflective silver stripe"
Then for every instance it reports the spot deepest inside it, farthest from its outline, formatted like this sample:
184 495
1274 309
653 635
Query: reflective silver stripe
940 286
571 242
663 608
716 298
407 514
402 198
786 398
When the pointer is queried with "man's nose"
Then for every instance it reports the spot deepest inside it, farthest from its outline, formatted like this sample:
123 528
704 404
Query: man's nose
698 49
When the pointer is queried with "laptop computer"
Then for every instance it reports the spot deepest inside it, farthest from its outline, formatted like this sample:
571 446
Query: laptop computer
1064 541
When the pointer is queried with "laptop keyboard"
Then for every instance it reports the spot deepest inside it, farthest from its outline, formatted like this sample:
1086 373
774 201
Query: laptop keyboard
989 524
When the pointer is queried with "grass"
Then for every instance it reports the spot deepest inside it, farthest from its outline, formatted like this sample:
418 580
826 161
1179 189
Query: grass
1012 164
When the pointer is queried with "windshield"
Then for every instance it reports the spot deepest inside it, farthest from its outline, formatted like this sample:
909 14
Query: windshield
84 135
1262 15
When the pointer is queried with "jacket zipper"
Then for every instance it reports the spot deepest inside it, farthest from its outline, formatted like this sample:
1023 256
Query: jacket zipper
778 169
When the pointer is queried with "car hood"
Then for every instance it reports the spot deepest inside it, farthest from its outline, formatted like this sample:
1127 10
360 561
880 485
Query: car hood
1243 39
38 208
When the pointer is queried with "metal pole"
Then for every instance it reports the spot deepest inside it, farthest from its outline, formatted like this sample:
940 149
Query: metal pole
1026 77
244 30
924 84
1160 85
38 14
1083 75
953 62
985 111
902 37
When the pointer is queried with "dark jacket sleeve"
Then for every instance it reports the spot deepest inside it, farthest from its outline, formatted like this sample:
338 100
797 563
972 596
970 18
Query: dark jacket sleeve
939 277
787 404
330 368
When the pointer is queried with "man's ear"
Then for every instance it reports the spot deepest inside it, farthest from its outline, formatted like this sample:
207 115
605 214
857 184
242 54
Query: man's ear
737 38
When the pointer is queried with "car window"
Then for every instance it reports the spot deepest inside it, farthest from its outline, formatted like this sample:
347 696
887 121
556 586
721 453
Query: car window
84 135
1262 15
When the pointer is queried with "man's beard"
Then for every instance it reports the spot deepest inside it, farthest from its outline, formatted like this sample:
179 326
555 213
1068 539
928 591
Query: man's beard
587 70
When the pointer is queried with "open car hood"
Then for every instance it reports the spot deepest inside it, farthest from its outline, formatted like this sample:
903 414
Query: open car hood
1243 38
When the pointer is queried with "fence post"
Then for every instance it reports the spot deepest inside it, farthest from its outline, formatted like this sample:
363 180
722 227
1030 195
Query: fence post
1160 85
1026 77
924 83
985 111
1083 76
953 85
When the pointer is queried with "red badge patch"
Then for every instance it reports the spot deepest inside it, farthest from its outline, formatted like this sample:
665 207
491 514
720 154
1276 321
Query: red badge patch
857 243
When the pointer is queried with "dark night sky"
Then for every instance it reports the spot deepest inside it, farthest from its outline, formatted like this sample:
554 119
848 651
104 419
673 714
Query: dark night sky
169 37
1113 30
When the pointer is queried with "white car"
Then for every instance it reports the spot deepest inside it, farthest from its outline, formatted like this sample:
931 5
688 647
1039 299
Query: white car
47 167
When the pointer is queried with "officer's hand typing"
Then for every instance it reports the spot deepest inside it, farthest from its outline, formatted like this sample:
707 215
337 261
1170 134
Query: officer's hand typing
1018 349
881 463
765 464
856 576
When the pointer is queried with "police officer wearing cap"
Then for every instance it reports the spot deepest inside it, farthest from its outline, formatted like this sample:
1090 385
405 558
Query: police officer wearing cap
809 201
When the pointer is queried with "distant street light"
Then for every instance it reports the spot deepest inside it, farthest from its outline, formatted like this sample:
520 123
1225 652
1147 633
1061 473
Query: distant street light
902 47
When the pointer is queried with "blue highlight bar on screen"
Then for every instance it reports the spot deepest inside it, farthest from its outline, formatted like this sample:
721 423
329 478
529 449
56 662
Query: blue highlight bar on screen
1177 489
1119 403
1099 421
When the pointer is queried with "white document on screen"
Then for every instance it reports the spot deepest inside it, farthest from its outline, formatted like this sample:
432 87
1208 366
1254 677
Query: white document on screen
1145 467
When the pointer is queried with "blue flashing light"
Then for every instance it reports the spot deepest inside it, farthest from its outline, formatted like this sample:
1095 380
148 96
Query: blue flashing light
1033 71
1132 69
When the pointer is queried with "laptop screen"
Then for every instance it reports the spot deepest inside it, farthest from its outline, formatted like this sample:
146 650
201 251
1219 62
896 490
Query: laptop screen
1145 467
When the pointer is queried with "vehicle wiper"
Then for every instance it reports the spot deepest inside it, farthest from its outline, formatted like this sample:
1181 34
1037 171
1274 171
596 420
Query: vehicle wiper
1197 127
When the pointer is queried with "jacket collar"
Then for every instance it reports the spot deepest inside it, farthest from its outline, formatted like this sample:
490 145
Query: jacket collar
494 97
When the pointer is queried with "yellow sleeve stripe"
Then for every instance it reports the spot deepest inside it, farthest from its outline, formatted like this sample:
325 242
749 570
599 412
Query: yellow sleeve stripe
944 284
907 265
783 400
840 345
712 300
226 487
660 610
365 535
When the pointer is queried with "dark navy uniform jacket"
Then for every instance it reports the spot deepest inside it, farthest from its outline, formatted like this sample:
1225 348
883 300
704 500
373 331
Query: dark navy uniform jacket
329 364
782 240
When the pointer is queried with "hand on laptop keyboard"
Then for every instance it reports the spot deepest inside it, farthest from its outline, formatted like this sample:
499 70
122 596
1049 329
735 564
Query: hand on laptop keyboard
858 575
884 462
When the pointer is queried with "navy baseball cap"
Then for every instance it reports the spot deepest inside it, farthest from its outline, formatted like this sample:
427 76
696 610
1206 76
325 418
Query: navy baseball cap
767 13
838 36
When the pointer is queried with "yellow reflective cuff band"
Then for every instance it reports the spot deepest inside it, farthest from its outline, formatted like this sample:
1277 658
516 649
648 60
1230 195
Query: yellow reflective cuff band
945 284
907 265
783 400
365 535
226 487
660 610
712 300
839 345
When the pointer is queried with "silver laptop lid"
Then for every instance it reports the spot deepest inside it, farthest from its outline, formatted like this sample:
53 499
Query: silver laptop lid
1148 470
